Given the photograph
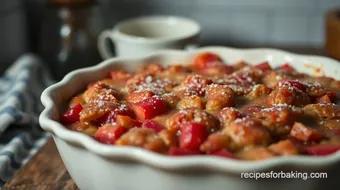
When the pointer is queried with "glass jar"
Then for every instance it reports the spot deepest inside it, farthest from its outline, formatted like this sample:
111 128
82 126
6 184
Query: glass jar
69 35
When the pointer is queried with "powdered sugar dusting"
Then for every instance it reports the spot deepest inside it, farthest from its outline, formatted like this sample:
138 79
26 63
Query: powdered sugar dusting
156 86
241 120
148 79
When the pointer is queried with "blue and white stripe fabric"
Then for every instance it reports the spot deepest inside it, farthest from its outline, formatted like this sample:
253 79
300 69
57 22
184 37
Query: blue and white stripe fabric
20 134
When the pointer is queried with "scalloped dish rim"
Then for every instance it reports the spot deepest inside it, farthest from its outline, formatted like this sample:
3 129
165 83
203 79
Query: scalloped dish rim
167 162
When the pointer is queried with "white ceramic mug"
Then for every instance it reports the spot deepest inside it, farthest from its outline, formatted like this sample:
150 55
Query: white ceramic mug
144 35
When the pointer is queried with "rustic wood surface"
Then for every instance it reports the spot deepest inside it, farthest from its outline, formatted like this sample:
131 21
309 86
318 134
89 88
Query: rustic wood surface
46 171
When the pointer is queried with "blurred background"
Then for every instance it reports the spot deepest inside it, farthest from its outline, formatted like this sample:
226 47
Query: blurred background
63 33
25 24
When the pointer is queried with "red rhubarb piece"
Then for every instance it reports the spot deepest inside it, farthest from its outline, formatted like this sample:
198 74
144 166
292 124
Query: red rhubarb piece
149 108
108 134
72 115
322 149
206 60
287 67
263 66
192 135
295 84
157 127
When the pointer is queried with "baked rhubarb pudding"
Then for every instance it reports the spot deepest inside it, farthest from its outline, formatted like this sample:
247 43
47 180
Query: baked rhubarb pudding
209 107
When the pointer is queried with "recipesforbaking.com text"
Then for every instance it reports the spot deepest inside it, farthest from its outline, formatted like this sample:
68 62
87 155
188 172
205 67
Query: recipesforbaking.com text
284 175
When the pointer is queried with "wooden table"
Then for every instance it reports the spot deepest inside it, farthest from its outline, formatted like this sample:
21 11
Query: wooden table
46 171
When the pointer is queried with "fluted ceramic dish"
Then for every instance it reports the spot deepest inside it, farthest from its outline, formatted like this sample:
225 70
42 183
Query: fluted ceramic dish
96 166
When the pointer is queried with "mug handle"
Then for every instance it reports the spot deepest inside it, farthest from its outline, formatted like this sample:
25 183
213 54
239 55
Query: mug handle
192 47
193 43
103 48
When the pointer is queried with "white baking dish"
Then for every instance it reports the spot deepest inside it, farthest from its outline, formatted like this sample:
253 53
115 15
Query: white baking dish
96 166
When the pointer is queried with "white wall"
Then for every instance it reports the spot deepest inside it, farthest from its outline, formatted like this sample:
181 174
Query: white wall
238 22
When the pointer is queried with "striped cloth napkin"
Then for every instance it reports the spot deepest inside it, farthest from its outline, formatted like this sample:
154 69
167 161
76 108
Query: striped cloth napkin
20 134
